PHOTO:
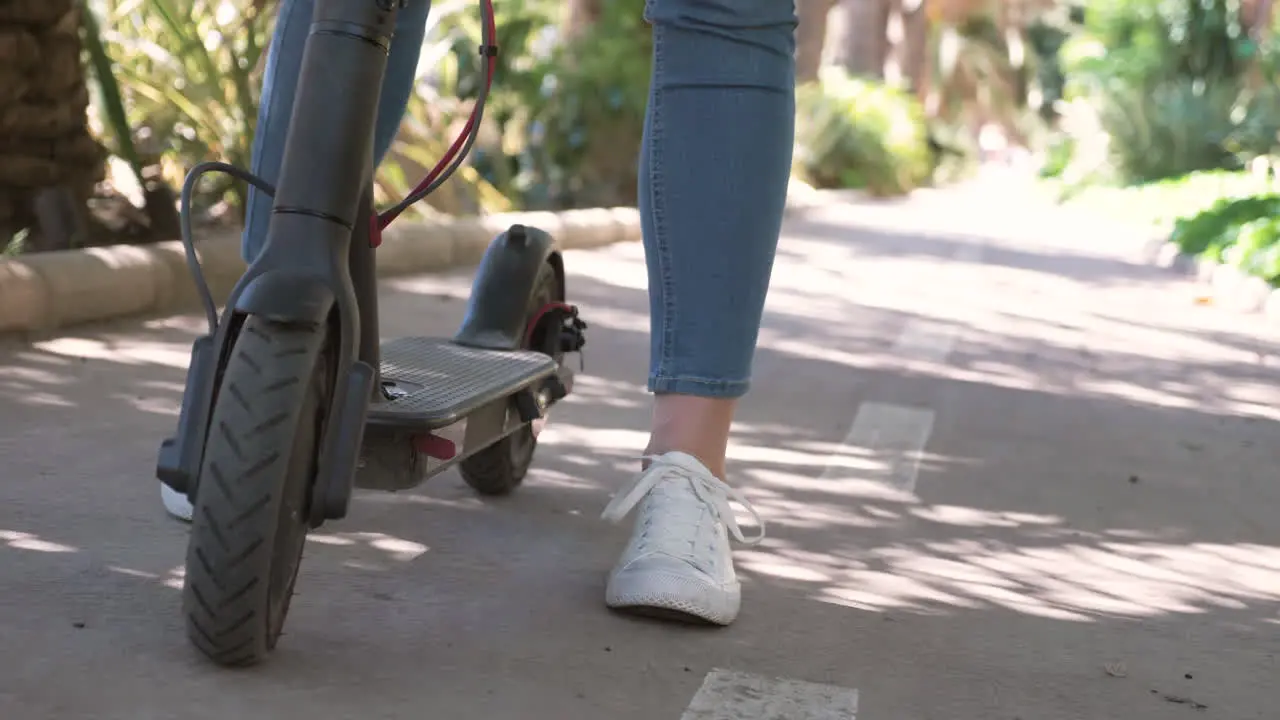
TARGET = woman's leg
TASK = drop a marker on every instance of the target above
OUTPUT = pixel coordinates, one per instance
(713, 178)
(284, 61)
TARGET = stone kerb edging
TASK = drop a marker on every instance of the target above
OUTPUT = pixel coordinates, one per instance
(1228, 287)
(47, 291)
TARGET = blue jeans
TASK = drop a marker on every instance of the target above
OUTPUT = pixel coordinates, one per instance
(714, 165)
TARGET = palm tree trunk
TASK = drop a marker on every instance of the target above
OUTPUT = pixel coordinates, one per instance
(811, 37)
(863, 41)
(48, 161)
(1257, 15)
(916, 47)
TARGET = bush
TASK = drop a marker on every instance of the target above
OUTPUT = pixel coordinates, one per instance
(1058, 156)
(1176, 127)
(1168, 78)
(1256, 250)
(1212, 229)
(583, 128)
(189, 75)
(565, 117)
(856, 133)
(1243, 232)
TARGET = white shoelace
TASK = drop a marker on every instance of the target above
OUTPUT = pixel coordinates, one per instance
(714, 494)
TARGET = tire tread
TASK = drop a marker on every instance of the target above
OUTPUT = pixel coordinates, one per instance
(231, 553)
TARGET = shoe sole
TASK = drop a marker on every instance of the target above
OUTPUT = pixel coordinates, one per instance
(666, 615)
(637, 596)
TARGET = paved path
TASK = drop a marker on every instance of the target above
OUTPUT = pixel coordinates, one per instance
(1010, 476)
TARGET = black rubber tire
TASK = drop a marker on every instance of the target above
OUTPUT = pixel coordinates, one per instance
(250, 523)
(500, 468)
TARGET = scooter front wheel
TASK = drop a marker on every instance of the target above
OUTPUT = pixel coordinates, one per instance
(250, 516)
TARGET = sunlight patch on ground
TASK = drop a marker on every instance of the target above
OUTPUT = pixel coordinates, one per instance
(387, 547)
(27, 541)
(600, 439)
(1071, 580)
(123, 351)
(451, 286)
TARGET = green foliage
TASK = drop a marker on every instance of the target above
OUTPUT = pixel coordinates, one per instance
(109, 94)
(857, 133)
(180, 81)
(564, 119)
(188, 73)
(1058, 156)
(583, 126)
(1168, 79)
(1215, 227)
(1046, 39)
(1239, 229)
(1256, 250)
(1175, 127)
(445, 96)
(1160, 205)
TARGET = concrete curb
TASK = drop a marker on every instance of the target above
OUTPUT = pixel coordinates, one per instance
(1227, 286)
(44, 292)
(48, 291)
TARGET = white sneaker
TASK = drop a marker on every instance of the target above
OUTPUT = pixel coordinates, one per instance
(678, 564)
(175, 503)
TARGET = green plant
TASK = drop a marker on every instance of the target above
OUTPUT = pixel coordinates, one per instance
(1169, 80)
(444, 97)
(564, 120)
(857, 133)
(188, 75)
(1058, 156)
(1213, 226)
(583, 125)
(1256, 250)
(1175, 127)
(109, 94)
(1241, 231)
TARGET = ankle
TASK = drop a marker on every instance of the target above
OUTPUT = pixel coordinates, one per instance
(697, 426)
(716, 468)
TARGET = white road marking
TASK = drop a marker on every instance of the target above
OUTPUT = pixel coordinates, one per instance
(891, 437)
(926, 340)
(968, 253)
(730, 695)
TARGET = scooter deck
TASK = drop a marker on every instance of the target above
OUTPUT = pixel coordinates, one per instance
(434, 382)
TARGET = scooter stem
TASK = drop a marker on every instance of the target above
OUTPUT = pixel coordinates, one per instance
(329, 151)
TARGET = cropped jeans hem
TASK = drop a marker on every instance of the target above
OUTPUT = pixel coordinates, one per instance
(702, 387)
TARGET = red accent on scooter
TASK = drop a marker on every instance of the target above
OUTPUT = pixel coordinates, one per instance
(490, 54)
(375, 232)
(434, 446)
(533, 324)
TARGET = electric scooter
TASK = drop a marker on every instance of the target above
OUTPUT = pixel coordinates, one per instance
(292, 400)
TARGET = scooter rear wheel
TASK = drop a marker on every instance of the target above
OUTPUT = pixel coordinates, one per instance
(250, 512)
(500, 468)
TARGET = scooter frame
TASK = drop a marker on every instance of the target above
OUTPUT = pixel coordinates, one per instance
(318, 267)
(318, 260)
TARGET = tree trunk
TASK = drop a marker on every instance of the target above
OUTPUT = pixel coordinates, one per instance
(811, 37)
(1257, 16)
(579, 15)
(916, 60)
(862, 46)
(46, 152)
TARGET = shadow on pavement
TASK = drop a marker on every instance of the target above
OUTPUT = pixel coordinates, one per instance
(1092, 534)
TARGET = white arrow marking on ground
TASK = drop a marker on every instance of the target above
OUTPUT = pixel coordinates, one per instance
(731, 695)
(891, 440)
